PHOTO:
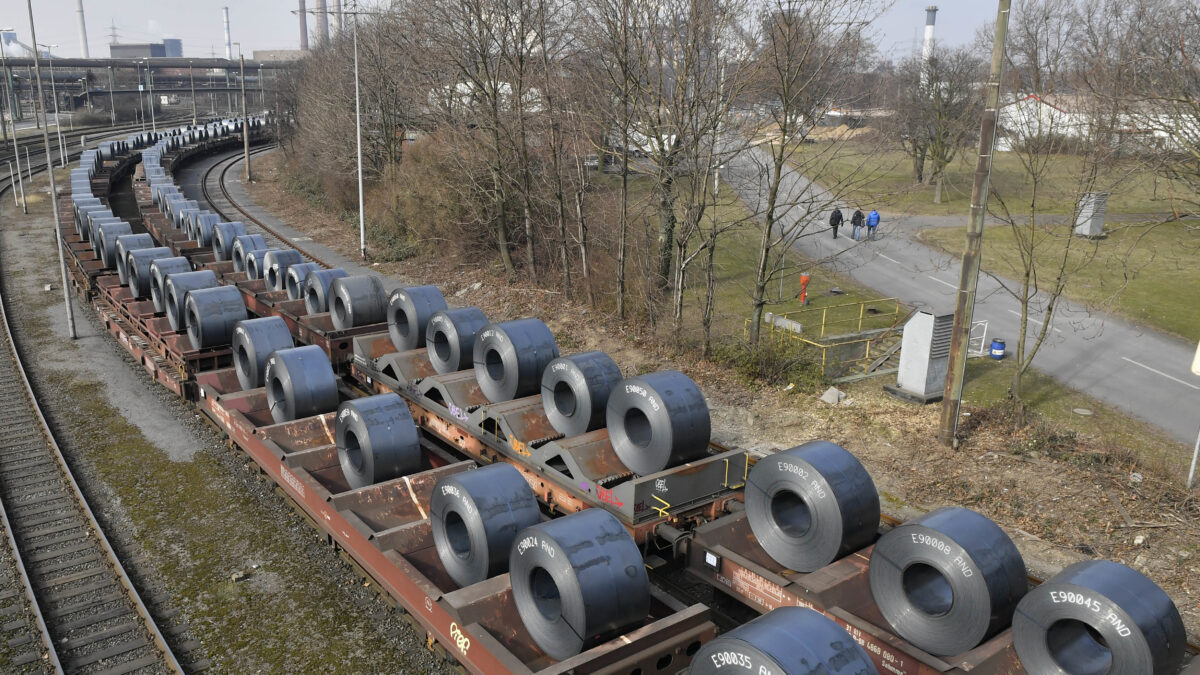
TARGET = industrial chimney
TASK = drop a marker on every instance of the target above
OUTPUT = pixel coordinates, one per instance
(335, 18)
(228, 44)
(322, 23)
(82, 29)
(930, 18)
(303, 27)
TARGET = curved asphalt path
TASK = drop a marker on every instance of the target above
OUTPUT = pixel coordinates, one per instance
(1137, 370)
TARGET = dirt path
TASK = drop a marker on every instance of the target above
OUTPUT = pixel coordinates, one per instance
(1060, 500)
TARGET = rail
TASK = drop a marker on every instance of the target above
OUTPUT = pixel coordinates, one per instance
(94, 614)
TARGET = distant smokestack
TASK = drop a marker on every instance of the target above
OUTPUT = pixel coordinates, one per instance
(322, 23)
(82, 29)
(335, 18)
(930, 19)
(228, 44)
(303, 27)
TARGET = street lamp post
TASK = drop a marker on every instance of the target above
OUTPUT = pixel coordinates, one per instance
(192, 84)
(141, 101)
(62, 147)
(245, 115)
(150, 79)
(62, 261)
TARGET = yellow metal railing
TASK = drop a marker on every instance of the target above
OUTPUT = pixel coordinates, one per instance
(844, 348)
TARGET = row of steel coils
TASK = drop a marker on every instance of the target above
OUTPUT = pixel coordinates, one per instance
(945, 582)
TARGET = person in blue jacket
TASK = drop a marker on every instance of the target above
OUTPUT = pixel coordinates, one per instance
(872, 223)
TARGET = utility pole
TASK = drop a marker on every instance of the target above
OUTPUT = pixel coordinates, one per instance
(150, 79)
(62, 261)
(141, 101)
(13, 114)
(968, 281)
(10, 102)
(192, 84)
(362, 226)
(245, 116)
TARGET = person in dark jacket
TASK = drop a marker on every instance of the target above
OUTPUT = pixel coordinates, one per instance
(835, 221)
(857, 221)
(872, 223)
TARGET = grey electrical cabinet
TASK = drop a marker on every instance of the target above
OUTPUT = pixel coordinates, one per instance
(924, 356)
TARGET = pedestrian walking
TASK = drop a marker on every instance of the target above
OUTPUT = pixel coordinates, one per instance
(856, 220)
(835, 221)
(872, 223)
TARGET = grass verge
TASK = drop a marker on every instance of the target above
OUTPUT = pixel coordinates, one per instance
(1139, 271)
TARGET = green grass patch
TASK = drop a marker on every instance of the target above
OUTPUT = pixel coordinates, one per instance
(1140, 271)
(1057, 430)
(883, 179)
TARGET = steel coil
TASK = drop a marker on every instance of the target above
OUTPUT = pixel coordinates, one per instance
(211, 315)
(510, 357)
(657, 421)
(450, 336)
(377, 440)
(125, 244)
(408, 313)
(784, 641)
(316, 289)
(475, 518)
(1098, 616)
(137, 268)
(223, 237)
(160, 269)
(578, 580)
(253, 341)
(275, 266)
(176, 288)
(948, 580)
(243, 244)
(300, 383)
(575, 391)
(811, 505)
(357, 301)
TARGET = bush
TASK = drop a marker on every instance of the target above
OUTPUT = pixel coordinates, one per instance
(772, 363)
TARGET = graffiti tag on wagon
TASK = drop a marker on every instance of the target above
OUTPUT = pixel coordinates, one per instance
(460, 639)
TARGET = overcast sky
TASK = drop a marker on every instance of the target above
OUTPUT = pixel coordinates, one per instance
(269, 24)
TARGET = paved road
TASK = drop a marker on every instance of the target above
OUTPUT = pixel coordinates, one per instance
(1139, 371)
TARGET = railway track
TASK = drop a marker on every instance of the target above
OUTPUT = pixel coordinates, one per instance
(67, 604)
(222, 202)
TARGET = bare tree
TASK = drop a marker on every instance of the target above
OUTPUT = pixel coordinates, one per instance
(934, 110)
(807, 52)
(1066, 138)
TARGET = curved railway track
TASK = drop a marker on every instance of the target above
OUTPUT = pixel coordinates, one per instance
(223, 203)
(68, 605)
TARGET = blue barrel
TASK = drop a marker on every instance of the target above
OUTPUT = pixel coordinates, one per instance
(997, 349)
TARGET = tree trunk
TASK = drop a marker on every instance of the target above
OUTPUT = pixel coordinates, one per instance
(666, 225)
(759, 299)
(710, 290)
(937, 189)
(919, 167)
(584, 262)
